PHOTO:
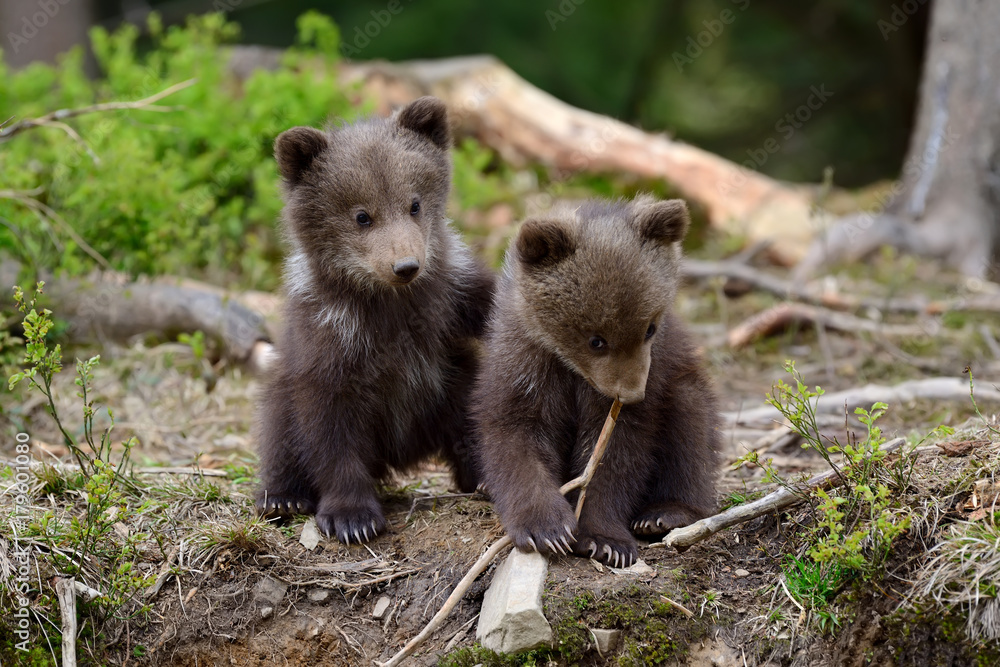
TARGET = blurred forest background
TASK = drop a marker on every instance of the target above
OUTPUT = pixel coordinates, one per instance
(637, 61)
(191, 190)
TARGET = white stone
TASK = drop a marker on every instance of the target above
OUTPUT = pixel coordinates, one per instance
(381, 606)
(319, 595)
(639, 568)
(740, 573)
(268, 592)
(606, 640)
(511, 619)
(310, 534)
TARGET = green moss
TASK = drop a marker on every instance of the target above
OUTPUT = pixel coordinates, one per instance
(655, 646)
(477, 655)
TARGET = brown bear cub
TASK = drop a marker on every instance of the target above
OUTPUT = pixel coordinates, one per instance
(384, 302)
(583, 314)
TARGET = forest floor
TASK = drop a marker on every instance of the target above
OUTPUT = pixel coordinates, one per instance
(236, 591)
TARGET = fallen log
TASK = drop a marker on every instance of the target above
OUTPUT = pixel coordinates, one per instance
(110, 308)
(489, 101)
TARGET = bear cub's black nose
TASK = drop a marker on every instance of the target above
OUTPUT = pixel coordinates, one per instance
(406, 268)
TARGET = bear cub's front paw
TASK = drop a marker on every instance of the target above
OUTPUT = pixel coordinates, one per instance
(351, 524)
(611, 547)
(661, 518)
(547, 530)
(283, 506)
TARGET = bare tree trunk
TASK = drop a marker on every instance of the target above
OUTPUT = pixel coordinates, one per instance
(947, 202)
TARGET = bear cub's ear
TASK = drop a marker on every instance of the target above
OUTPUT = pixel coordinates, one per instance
(427, 116)
(663, 221)
(295, 150)
(544, 241)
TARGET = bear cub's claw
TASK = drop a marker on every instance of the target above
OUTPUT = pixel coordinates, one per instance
(353, 526)
(548, 531)
(612, 552)
(284, 506)
(545, 542)
(660, 519)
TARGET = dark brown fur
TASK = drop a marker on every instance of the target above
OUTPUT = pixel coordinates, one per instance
(608, 270)
(377, 357)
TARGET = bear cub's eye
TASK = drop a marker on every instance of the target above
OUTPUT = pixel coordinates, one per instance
(363, 219)
(651, 330)
(598, 343)
(415, 208)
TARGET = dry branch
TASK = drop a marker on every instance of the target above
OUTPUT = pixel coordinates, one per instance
(798, 290)
(500, 545)
(66, 593)
(939, 388)
(54, 118)
(786, 315)
(682, 538)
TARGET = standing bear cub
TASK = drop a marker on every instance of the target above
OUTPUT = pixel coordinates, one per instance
(583, 314)
(383, 305)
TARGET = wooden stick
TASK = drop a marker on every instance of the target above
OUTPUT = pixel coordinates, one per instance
(785, 315)
(449, 604)
(682, 538)
(66, 593)
(583, 480)
(500, 545)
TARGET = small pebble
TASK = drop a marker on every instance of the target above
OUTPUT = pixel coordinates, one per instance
(381, 607)
(319, 595)
(265, 612)
(741, 573)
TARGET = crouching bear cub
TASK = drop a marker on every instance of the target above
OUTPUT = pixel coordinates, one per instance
(583, 314)
(383, 304)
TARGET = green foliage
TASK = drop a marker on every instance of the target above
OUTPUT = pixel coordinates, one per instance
(85, 544)
(189, 187)
(477, 655)
(815, 585)
(740, 498)
(858, 522)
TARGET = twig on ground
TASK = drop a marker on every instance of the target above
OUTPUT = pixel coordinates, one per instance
(500, 545)
(682, 538)
(66, 592)
(456, 595)
(161, 578)
(939, 388)
(693, 268)
(678, 606)
(784, 315)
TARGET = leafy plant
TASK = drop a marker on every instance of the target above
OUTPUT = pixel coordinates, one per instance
(856, 523)
(185, 188)
(87, 544)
